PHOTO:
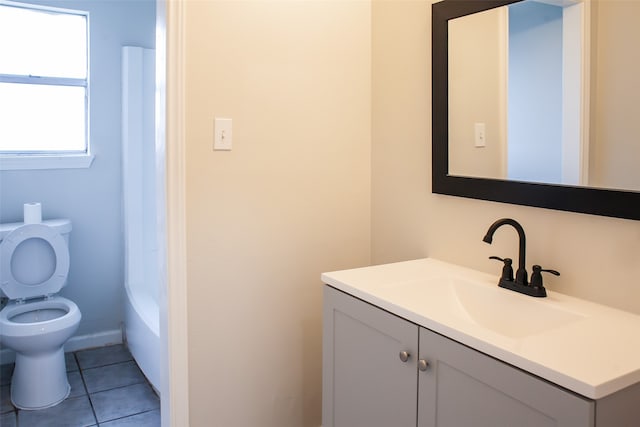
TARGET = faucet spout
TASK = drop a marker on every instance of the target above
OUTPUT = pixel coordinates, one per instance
(521, 273)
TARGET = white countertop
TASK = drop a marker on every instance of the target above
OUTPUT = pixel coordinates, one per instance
(591, 349)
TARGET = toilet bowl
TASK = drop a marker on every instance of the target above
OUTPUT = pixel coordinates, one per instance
(34, 264)
(37, 331)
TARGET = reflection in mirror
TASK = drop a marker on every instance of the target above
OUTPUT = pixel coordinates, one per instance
(478, 94)
(542, 92)
(615, 95)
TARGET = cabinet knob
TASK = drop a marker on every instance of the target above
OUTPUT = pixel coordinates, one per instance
(423, 365)
(404, 356)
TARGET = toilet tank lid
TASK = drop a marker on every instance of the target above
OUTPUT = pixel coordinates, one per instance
(61, 225)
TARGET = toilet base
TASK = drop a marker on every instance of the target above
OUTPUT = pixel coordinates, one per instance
(39, 381)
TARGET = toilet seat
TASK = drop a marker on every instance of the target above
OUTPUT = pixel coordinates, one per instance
(11, 328)
(11, 286)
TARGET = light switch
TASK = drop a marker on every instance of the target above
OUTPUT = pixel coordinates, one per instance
(222, 134)
(480, 139)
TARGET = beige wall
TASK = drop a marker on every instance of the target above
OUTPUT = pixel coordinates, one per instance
(331, 107)
(599, 257)
(291, 200)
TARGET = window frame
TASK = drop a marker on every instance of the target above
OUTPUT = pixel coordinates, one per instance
(58, 159)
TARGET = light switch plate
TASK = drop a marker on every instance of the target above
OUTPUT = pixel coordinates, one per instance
(222, 134)
(480, 135)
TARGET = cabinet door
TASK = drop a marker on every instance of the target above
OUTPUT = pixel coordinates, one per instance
(365, 383)
(463, 387)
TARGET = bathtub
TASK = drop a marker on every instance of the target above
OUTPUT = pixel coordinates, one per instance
(141, 220)
(142, 332)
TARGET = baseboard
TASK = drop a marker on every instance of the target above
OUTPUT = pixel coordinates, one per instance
(76, 343)
(100, 339)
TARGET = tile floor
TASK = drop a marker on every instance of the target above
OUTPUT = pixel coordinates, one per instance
(107, 390)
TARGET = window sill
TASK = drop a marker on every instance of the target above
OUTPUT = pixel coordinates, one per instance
(69, 161)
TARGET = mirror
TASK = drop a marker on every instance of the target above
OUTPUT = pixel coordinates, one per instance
(559, 136)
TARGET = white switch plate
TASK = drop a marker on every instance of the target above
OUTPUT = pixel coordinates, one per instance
(480, 135)
(222, 134)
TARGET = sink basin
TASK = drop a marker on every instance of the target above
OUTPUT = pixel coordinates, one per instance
(483, 305)
(508, 313)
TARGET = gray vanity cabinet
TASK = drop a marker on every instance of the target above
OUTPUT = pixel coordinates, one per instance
(463, 387)
(367, 382)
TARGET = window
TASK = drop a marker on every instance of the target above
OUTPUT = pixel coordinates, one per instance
(43, 85)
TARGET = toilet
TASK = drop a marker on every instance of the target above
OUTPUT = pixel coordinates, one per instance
(36, 323)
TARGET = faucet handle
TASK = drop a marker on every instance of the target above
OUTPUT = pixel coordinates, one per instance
(536, 276)
(507, 270)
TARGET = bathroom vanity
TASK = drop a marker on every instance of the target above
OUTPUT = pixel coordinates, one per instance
(427, 343)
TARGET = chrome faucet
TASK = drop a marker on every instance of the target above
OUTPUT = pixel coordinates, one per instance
(521, 283)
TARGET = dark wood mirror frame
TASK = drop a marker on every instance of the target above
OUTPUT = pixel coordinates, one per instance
(595, 201)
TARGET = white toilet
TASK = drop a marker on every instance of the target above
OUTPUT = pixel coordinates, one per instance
(34, 264)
